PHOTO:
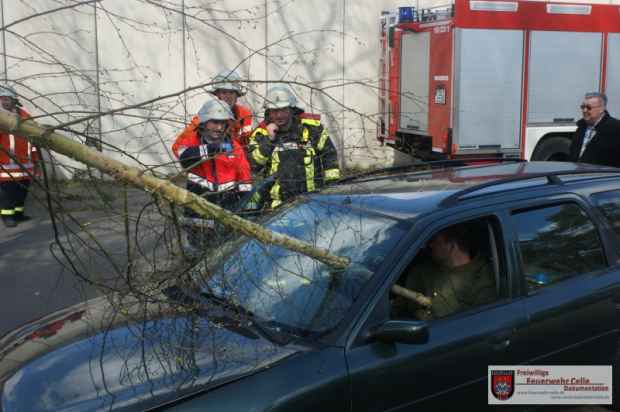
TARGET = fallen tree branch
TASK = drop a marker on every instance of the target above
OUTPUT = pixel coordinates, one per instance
(47, 138)
(411, 295)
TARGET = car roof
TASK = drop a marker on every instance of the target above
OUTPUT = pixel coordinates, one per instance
(406, 194)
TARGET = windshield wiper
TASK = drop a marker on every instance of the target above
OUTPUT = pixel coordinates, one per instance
(268, 330)
(197, 305)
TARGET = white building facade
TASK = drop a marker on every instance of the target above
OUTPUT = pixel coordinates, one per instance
(142, 63)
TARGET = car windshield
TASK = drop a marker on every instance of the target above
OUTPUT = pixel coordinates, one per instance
(286, 288)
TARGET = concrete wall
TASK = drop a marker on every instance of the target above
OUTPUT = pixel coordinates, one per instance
(71, 62)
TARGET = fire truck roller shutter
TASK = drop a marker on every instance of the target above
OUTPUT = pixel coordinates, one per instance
(488, 88)
(414, 82)
(563, 66)
(613, 74)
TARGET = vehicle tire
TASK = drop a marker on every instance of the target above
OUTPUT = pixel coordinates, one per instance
(556, 148)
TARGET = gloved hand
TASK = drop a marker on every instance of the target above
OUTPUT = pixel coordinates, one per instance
(226, 147)
(210, 149)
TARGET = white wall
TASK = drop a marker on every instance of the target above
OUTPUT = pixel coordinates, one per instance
(145, 52)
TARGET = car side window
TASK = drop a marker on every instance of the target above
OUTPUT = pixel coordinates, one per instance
(459, 268)
(556, 243)
(608, 203)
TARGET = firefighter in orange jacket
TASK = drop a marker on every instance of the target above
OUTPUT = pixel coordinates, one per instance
(293, 148)
(217, 165)
(226, 87)
(17, 165)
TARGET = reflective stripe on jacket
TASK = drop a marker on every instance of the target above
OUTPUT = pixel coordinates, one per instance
(17, 156)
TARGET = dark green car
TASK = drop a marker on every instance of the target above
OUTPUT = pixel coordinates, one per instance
(272, 330)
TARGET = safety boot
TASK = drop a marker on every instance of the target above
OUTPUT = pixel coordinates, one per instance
(9, 220)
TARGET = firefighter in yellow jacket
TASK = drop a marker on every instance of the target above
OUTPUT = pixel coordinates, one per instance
(292, 147)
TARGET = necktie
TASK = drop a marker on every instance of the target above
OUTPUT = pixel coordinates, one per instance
(586, 139)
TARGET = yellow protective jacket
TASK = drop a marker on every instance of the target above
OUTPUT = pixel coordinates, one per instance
(302, 159)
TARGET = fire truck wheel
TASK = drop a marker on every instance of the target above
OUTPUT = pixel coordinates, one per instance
(552, 148)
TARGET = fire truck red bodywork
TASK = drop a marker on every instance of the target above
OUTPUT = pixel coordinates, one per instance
(433, 137)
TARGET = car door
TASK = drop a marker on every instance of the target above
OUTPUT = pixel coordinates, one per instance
(566, 283)
(450, 367)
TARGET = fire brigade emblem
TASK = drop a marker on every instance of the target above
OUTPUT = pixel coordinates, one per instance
(502, 384)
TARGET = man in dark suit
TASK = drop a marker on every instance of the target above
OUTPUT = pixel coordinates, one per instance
(597, 139)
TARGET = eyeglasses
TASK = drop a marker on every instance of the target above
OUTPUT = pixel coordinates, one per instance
(588, 107)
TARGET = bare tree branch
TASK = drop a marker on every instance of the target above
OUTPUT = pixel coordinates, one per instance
(44, 13)
(54, 141)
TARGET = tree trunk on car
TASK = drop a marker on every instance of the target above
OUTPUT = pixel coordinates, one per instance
(45, 137)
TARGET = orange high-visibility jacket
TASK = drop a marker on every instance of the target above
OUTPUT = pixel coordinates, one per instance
(17, 156)
(222, 171)
(242, 127)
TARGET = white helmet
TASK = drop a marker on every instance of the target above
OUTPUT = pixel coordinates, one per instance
(279, 97)
(227, 80)
(7, 91)
(215, 109)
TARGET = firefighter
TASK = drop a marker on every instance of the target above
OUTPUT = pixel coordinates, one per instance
(217, 166)
(18, 159)
(226, 87)
(291, 147)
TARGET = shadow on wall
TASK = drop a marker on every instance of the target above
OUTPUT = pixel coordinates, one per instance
(135, 65)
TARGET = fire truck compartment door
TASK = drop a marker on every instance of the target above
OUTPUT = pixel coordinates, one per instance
(487, 88)
(613, 73)
(563, 66)
(414, 81)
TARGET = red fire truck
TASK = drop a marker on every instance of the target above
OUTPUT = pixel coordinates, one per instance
(494, 78)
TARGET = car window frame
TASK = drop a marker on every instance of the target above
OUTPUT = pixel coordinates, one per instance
(413, 243)
(550, 201)
(612, 238)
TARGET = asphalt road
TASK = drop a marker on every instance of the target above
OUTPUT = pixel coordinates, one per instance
(34, 283)
(35, 277)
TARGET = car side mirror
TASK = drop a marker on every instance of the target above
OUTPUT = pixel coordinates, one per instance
(401, 331)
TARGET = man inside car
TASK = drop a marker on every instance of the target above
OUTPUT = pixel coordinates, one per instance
(456, 278)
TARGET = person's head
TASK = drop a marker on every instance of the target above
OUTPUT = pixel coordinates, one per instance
(8, 98)
(451, 246)
(281, 106)
(593, 107)
(214, 117)
(226, 86)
